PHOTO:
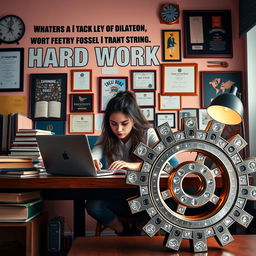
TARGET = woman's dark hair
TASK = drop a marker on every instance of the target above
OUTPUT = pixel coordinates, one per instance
(124, 102)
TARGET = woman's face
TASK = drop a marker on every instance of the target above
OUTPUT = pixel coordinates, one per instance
(121, 125)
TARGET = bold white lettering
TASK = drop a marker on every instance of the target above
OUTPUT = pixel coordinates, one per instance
(35, 57)
(137, 56)
(50, 58)
(81, 57)
(122, 56)
(66, 57)
(151, 56)
(104, 57)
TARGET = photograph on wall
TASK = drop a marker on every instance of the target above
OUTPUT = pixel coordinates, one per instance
(81, 123)
(81, 80)
(81, 102)
(207, 34)
(214, 83)
(143, 80)
(57, 127)
(145, 99)
(162, 118)
(203, 118)
(109, 87)
(48, 96)
(171, 50)
(149, 113)
(169, 102)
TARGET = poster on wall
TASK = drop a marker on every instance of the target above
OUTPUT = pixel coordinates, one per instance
(109, 87)
(48, 96)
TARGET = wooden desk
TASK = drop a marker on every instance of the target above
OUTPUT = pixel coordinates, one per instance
(243, 245)
(78, 189)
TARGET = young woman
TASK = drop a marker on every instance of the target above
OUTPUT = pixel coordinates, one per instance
(124, 126)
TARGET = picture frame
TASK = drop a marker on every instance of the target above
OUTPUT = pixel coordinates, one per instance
(166, 117)
(203, 118)
(188, 112)
(167, 102)
(48, 96)
(171, 45)
(109, 87)
(207, 33)
(179, 79)
(82, 102)
(81, 123)
(81, 80)
(149, 113)
(57, 127)
(214, 83)
(143, 80)
(11, 69)
(145, 98)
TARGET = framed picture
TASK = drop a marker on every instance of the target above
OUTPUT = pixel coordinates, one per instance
(186, 113)
(145, 99)
(110, 86)
(149, 113)
(81, 80)
(81, 102)
(58, 127)
(169, 102)
(171, 49)
(81, 123)
(48, 96)
(166, 117)
(203, 118)
(11, 69)
(143, 80)
(214, 83)
(207, 34)
(179, 79)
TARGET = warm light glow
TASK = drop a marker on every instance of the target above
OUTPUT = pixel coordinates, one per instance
(224, 115)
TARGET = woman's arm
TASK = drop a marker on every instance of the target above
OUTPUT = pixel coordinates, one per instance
(124, 165)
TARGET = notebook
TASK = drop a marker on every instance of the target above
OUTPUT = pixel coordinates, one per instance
(69, 155)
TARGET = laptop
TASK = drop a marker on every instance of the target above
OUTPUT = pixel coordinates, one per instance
(68, 155)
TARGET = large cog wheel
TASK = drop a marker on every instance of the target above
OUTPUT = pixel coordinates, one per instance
(212, 204)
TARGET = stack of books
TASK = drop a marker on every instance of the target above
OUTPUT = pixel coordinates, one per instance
(20, 206)
(19, 167)
(25, 143)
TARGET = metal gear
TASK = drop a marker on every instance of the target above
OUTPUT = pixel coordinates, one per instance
(212, 204)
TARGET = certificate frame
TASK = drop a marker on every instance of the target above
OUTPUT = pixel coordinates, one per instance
(82, 102)
(179, 79)
(11, 69)
(166, 117)
(214, 83)
(143, 80)
(145, 98)
(149, 113)
(168, 102)
(207, 33)
(187, 112)
(46, 89)
(81, 123)
(109, 87)
(81, 80)
(58, 127)
(171, 45)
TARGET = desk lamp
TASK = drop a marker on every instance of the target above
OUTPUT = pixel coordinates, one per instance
(227, 108)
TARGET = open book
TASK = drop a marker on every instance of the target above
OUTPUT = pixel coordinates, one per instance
(47, 109)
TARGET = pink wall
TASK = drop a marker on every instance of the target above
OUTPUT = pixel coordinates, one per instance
(102, 12)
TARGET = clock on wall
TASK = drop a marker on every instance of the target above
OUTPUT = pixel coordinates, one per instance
(12, 29)
(169, 13)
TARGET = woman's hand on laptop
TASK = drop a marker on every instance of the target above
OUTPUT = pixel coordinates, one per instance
(97, 165)
(124, 165)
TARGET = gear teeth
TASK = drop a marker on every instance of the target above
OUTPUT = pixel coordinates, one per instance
(159, 147)
(223, 235)
(235, 144)
(174, 239)
(164, 131)
(145, 167)
(145, 153)
(241, 216)
(199, 241)
(190, 127)
(143, 190)
(248, 192)
(201, 135)
(214, 130)
(168, 168)
(200, 158)
(181, 209)
(187, 234)
(166, 194)
(248, 166)
(236, 159)
(153, 226)
(137, 178)
(139, 204)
